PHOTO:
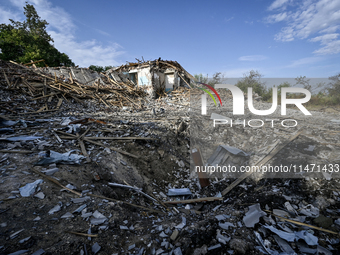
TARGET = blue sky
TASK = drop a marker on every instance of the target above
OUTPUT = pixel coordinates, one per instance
(279, 38)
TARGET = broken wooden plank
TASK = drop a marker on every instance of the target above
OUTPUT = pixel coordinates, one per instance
(198, 161)
(37, 98)
(71, 78)
(17, 151)
(197, 200)
(73, 137)
(118, 185)
(9, 84)
(31, 88)
(101, 99)
(60, 101)
(86, 121)
(303, 224)
(52, 110)
(127, 203)
(120, 138)
(79, 85)
(116, 138)
(83, 134)
(45, 88)
(15, 83)
(31, 63)
(7, 109)
(4, 117)
(58, 138)
(183, 79)
(83, 149)
(55, 79)
(112, 148)
(81, 234)
(56, 182)
(126, 98)
(42, 108)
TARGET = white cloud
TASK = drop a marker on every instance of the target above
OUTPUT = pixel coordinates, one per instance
(87, 53)
(58, 19)
(307, 19)
(252, 58)
(332, 47)
(277, 17)
(287, 35)
(324, 39)
(331, 29)
(62, 29)
(226, 20)
(304, 61)
(277, 4)
(5, 15)
(102, 32)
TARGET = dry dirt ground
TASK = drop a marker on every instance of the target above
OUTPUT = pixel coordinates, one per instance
(116, 220)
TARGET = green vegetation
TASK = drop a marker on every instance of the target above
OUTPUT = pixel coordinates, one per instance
(253, 80)
(29, 40)
(334, 88)
(100, 69)
(330, 96)
(302, 80)
(201, 78)
(327, 97)
(216, 79)
(269, 94)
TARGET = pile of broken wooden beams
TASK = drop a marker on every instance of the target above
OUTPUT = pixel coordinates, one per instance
(95, 139)
(33, 85)
(181, 94)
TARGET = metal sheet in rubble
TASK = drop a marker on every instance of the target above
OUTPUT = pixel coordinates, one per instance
(221, 154)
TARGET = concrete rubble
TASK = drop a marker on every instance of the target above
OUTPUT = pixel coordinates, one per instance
(104, 168)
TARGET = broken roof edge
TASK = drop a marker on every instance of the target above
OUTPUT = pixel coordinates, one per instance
(169, 63)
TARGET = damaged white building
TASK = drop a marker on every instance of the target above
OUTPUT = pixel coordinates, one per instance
(156, 76)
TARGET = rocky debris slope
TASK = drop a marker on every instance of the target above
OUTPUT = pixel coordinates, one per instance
(91, 179)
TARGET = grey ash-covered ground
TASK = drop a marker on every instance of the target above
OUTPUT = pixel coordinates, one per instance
(162, 164)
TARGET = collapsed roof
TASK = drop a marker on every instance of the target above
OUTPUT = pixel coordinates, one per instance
(156, 77)
(159, 64)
